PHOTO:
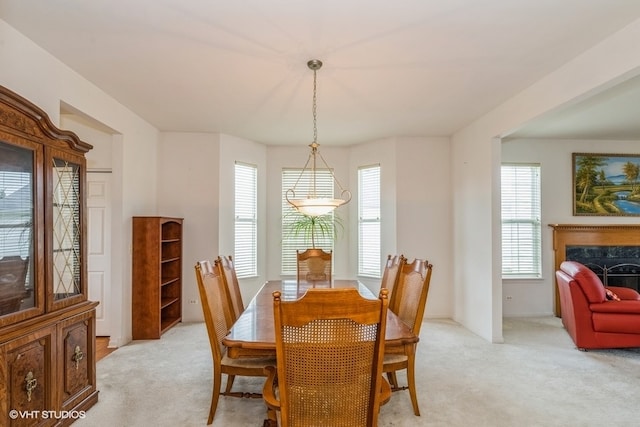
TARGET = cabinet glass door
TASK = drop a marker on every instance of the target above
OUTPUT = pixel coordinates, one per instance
(16, 229)
(67, 229)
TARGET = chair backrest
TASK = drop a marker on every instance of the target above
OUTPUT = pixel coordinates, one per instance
(214, 306)
(205, 266)
(232, 286)
(330, 348)
(412, 289)
(390, 276)
(588, 281)
(314, 265)
(13, 275)
(13, 271)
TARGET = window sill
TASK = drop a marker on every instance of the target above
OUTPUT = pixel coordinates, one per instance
(523, 279)
(369, 277)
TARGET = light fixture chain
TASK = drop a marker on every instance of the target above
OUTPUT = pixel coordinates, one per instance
(313, 205)
(315, 108)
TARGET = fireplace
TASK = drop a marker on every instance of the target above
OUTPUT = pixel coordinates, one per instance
(615, 265)
(611, 251)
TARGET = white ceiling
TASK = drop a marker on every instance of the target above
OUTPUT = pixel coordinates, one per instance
(611, 114)
(403, 68)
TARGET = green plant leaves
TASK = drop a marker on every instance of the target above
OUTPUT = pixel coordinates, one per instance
(310, 227)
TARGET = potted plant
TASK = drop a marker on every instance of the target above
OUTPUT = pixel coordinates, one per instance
(310, 227)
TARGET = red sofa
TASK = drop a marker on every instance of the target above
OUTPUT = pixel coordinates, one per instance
(593, 319)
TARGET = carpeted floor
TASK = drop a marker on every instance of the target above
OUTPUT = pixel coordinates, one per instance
(536, 378)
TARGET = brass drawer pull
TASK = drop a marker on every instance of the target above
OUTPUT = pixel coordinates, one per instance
(78, 355)
(30, 384)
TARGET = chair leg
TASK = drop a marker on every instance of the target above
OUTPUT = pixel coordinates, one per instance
(272, 418)
(230, 379)
(393, 380)
(217, 383)
(411, 379)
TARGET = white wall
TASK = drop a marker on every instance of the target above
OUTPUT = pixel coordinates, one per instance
(536, 297)
(188, 188)
(472, 163)
(33, 73)
(476, 162)
(415, 209)
(424, 212)
(196, 182)
(100, 157)
(232, 150)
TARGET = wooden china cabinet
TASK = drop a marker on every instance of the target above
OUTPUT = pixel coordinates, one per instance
(47, 325)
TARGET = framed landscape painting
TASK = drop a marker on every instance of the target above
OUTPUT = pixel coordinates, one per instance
(606, 184)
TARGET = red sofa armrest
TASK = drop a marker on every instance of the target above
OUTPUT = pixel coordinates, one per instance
(617, 307)
(624, 293)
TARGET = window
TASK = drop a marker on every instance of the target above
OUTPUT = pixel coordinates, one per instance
(245, 258)
(290, 241)
(369, 221)
(521, 230)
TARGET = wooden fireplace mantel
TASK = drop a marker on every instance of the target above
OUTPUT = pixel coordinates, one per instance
(590, 235)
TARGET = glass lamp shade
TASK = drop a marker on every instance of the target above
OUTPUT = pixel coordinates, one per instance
(316, 206)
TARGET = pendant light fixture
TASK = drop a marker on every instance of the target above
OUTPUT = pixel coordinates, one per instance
(312, 205)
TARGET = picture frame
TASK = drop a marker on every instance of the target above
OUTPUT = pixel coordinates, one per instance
(606, 184)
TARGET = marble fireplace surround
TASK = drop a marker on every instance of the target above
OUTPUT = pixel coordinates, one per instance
(612, 251)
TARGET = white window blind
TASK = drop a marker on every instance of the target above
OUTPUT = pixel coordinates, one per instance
(290, 242)
(521, 224)
(16, 213)
(369, 260)
(245, 258)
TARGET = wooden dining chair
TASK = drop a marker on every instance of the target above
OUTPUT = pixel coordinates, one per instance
(232, 286)
(329, 347)
(13, 281)
(412, 289)
(314, 265)
(216, 315)
(390, 277)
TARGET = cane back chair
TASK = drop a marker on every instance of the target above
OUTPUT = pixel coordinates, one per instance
(216, 314)
(411, 292)
(329, 347)
(390, 277)
(232, 286)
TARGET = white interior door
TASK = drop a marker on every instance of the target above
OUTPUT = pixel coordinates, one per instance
(99, 247)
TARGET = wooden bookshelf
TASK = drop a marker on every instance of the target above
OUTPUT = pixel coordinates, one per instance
(157, 275)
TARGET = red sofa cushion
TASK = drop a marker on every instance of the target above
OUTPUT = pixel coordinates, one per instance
(629, 306)
(617, 323)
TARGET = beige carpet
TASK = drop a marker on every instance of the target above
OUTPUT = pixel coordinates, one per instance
(536, 378)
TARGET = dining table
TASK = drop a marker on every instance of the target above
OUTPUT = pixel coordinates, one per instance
(253, 333)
